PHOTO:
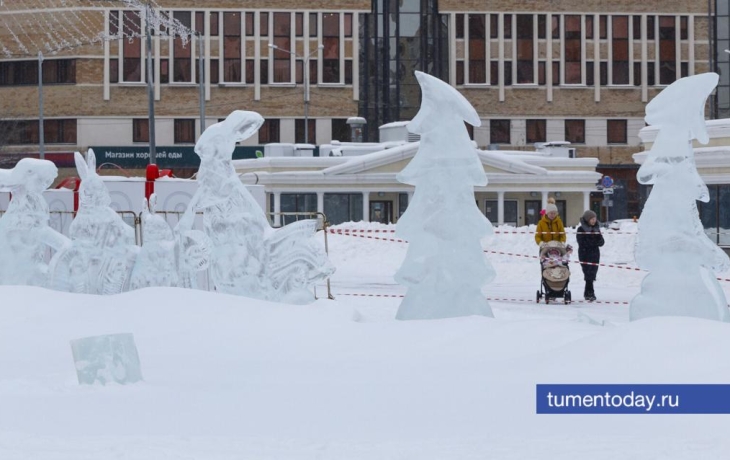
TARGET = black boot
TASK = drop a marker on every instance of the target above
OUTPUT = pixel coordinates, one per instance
(588, 293)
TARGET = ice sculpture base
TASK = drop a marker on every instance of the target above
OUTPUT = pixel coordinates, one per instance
(106, 358)
(694, 294)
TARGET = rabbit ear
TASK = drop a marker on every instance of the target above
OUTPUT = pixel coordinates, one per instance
(91, 160)
(81, 166)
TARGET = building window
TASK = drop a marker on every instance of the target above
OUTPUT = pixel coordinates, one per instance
(477, 49)
(555, 26)
(572, 49)
(650, 26)
(536, 131)
(164, 71)
(200, 22)
(348, 24)
(59, 71)
(250, 69)
(181, 54)
(213, 24)
(24, 132)
(589, 26)
(331, 51)
(603, 27)
(55, 71)
(232, 46)
(541, 26)
(140, 130)
(507, 26)
(525, 46)
(131, 48)
(264, 24)
(459, 24)
(616, 131)
(305, 203)
(313, 25)
(264, 71)
(59, 131)
(575, 131)
(184, 131)
(667, 50)
(299, 24)
(620, 50)
(282, 40)
(113, 23)
(499, 132)
(299, 131)
(343, 207)
(214, 76)
(269, 131)
(636, 27)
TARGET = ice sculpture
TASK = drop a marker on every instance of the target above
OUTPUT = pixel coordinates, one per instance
(672, 244)
(445, 266)
(102, 251)
(156, 263)
(25, 233)
(106, 359)
(247, 256)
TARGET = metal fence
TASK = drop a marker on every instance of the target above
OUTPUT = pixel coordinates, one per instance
(61, 222)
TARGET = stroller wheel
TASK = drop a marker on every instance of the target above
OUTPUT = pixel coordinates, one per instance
(568, 298)
(537, 299)
(547, 300)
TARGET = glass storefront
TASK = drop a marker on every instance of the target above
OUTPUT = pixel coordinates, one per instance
(399, 37)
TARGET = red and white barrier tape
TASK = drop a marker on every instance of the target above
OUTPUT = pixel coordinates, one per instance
(395, 240)
(493, 299)
(504, 232)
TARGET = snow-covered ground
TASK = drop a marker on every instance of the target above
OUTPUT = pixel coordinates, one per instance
(232, 378)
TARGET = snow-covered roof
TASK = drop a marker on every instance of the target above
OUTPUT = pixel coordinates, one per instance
(512, 167)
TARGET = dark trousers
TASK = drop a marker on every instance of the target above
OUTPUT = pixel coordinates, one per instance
(588, 291)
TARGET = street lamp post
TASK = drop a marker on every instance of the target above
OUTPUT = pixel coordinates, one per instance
(306, 83)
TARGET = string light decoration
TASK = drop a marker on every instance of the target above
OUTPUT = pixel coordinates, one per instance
(52, 27)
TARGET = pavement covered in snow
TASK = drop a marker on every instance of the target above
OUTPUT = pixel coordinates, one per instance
(231, 378)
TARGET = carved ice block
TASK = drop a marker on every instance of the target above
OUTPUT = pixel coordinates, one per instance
(106, 358)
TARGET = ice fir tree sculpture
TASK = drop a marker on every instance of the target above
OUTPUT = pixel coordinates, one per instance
(672, 244)
(445, 266)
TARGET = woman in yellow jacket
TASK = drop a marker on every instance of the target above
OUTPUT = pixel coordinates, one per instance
(550, 227)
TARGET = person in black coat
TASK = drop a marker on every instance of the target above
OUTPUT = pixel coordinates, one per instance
(589, 242)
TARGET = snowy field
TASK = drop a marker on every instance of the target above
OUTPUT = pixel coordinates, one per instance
(229, 378)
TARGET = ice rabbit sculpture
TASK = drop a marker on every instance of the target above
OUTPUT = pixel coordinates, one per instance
(247, 256)
(102, 251)
(445, 266)
(672, 244)
(25, 234)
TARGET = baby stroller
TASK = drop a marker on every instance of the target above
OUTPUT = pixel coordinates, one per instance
(554, 260)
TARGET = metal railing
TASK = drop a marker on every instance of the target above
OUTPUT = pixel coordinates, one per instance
(61, 222)
(322, 224)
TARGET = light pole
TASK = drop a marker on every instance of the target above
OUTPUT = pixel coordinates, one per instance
(150, 88)
(305, 70)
